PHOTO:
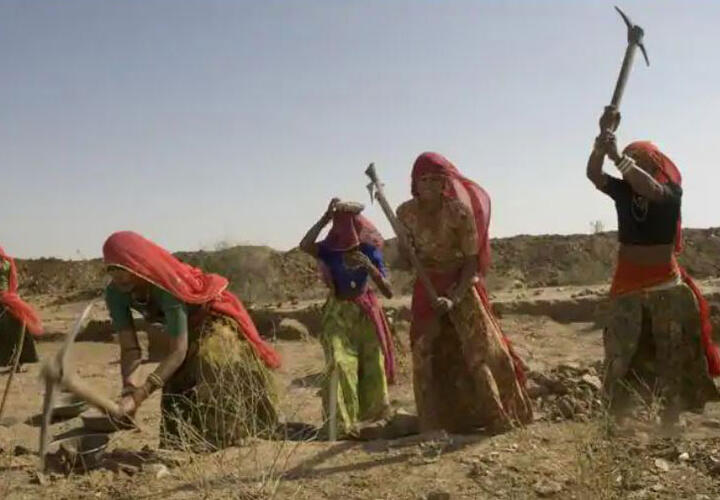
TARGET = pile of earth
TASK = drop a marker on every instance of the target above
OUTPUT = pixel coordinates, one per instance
(261, 274)
(567, 392)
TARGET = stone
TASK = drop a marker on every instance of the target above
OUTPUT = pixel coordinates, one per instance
(684, 457)
(546, 488)
(292, 329)
(160, 471)
(593, 381)
(662, 464)
(438, 495)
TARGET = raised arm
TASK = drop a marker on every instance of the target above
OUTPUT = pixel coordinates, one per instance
(308, 244)
(641, 182)
(609, 121)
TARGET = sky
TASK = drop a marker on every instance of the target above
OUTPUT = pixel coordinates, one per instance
(203, 122)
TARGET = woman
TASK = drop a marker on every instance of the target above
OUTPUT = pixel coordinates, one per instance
(216, 387)
(16, 315)
(465, 374)
(355, 333)
(658, 337)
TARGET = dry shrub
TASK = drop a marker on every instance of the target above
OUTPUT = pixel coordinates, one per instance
(231, 439)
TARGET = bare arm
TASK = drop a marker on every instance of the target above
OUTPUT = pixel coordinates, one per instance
(640, 181)
(382, 283)
(308, 244)
(130, 357)
(594, 169)
(467, 278)
(178, 347)
(359, 259)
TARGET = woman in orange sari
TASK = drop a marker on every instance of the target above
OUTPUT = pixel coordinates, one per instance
(465, 374)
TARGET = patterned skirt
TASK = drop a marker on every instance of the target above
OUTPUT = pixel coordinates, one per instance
(653, 352)
(464, 376)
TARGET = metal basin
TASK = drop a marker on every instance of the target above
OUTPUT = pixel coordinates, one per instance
(101, 422)
(68, 406)
(82, 452)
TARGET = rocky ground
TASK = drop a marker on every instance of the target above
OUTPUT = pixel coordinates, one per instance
(568, 452)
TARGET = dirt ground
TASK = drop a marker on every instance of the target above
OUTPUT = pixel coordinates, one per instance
(564, 454)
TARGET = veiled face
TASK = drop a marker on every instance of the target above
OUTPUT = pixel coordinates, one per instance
(123, 280)
(430, 187)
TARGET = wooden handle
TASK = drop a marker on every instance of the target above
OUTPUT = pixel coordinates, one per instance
(400, 233)
(73, 384)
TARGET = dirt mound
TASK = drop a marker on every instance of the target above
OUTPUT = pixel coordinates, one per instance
(567, 392)
(261, 274)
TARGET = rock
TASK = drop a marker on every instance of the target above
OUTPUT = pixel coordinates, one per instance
(593, 381)
(401, 424)
(292, 329)
(712, 423)
(19, 451)
(536, 390)
(566, 407)
(438, 495)
(684, 457)
(546, 488)
(662, 464)
(160, 471)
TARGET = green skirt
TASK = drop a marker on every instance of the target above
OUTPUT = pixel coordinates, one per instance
(221, 394)
(10, 334)
(352, 348)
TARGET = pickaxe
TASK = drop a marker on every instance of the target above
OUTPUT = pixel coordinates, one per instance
(56, 372)
(635, 41)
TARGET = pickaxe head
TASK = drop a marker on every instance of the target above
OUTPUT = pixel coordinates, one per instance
(635, 34)
(371, 190)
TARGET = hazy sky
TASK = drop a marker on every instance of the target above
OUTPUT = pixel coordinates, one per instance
(195, 122)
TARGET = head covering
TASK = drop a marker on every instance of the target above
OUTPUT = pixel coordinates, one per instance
(18, 308)
(350, 229)
(463, 189)
(647, 153)
(156, 265)
(477, 200)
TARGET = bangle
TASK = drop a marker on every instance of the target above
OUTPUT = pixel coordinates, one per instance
(153, 383)
(626, 164)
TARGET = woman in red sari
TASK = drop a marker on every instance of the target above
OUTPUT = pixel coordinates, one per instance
(15, 315)
(215, 382)
(465, 374)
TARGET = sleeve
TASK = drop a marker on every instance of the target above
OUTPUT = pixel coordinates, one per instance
(467, 232)
(376, 257)
(673, 193)
(118, 304)
(613, 186)
(174, 311)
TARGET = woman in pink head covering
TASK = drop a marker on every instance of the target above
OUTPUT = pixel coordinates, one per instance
(356, 336)
(15, 314)
(465, 373)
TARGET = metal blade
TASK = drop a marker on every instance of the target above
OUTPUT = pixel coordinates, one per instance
(371, 190)
(625, 18)
(642, 49)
